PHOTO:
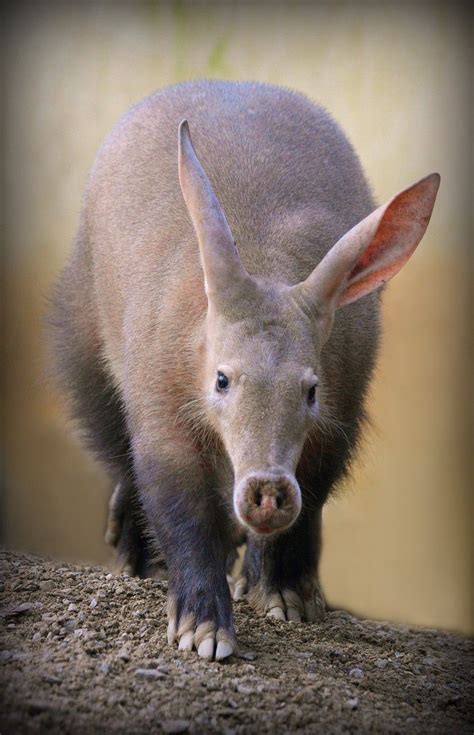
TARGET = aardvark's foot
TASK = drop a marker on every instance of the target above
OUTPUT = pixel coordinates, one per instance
(302, 601)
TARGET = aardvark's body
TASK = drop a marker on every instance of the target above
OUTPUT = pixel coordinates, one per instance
(223, 384)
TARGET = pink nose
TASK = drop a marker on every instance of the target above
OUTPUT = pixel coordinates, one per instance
(267, 502)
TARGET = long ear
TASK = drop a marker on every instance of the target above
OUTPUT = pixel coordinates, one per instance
(223, 269)
(374, 250)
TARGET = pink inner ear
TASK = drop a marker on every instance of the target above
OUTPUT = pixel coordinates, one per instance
(401, 228)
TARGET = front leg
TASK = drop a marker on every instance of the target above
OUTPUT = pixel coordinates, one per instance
(280, 575)
(194, 532)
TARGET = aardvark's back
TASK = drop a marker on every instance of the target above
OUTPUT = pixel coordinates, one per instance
(288, 181)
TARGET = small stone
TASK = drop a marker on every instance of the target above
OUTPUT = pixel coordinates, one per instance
(36, 637)
(93, 602)
(248, 655)
(175, 726)
(353, 702)
(104, 667)
(124, 654)
(46, 585)
(150, 674)
(244, 690)
(381, 663)
(52, 679)
(72, 607)
(356, 673)
(23, 607)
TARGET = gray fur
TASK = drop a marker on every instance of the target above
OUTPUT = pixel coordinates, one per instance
(137, 344)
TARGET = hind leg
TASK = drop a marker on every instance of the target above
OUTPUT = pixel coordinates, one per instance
(96, 403)
(126, 531)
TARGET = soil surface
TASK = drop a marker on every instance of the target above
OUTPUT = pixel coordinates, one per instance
(83, 651)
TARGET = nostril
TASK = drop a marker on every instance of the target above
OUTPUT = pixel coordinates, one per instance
(266, 502)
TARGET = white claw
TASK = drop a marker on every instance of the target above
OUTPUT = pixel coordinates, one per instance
(206, 648)
(186, 641)
(239, 588)
(171, 632)
(293, 615)
(231, 583)
(223, 650)
(276, 612)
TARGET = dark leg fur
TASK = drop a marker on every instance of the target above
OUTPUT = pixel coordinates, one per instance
(128, 533)
(281, 574)
(96, 405)
(196, 538)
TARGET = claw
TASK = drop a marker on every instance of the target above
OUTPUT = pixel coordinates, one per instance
(114, 520)
(171, 632)
(294, 606)
(293, 615)
(172, 610)
(239, 588)
(224, 650)
(206, 648)
(186, 641)
(276, 612)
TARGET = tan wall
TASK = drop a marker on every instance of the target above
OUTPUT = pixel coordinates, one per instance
(395, 75)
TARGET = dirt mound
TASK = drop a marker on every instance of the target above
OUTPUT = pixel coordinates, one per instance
(84, 651)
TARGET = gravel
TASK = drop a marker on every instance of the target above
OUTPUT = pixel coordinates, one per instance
(83, 651)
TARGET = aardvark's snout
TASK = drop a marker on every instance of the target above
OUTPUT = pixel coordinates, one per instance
(267, 501)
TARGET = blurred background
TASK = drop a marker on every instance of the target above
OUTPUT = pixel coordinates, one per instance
(398, 538)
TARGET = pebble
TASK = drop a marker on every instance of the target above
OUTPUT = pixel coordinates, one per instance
(244, 690)
(36, 637)
(93, 602)
(72, 607)
(149, 674)
(353, 702)
(23, 607)
(46, 585)
(124, 654)
(50, 679)
(356, 673)
(248, 655)
(175, 726)
(104, 667)
(381, 663)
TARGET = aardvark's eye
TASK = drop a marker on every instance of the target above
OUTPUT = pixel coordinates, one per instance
(222, 382)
